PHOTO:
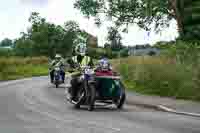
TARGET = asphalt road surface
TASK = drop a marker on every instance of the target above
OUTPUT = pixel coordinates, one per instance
(35, 106)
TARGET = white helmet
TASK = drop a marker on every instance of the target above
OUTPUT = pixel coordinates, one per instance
(58, 56)
(104, 64)
(81, 49)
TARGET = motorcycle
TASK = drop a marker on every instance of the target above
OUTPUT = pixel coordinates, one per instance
(57, 76)
(99, 87)
(86, 92)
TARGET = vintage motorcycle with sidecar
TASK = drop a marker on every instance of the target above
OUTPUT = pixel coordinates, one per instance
(98, 87)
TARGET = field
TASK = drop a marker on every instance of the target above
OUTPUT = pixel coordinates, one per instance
(14, 67)
(159, 76)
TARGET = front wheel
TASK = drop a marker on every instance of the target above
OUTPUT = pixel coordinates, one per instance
(80, 98)
(57, 84)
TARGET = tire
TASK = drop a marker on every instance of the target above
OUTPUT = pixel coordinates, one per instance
(77, 106)
(57, 85)
(91, 100)
(82, 95)
(121, 101)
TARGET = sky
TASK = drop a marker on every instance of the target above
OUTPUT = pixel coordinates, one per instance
(14, 16)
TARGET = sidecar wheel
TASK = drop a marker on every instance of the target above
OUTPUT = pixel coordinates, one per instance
(121, 101)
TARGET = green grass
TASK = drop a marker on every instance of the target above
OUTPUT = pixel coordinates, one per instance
(159, 76)
(16, 68)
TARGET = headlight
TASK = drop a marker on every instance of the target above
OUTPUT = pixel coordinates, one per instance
(56, 73)
(89, 71)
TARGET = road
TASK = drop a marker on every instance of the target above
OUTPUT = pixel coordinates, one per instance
(35, 106)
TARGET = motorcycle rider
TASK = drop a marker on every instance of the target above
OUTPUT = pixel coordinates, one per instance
(60, 61)
(78, 61)
(104, 64)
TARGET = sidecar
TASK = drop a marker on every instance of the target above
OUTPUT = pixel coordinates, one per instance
(109, 88)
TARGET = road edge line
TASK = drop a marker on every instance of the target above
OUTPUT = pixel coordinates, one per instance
(163, 108)
(167, 109)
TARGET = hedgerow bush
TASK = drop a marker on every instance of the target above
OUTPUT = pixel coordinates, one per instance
(173, 74)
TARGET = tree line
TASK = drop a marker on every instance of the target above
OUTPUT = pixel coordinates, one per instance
(44, 38)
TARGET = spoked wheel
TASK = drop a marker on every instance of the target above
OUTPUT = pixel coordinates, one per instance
(91, 98)
(80, 98)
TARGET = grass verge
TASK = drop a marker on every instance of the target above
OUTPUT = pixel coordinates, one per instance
(16, 68)
(159, 76)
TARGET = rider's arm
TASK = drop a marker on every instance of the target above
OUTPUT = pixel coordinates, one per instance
(91, 63)
(62, 62)
(71, 65)
(51, 65)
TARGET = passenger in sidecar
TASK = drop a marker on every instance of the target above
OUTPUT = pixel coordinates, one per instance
(108, 84)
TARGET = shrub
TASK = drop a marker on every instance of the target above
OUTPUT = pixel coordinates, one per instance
(4, 52)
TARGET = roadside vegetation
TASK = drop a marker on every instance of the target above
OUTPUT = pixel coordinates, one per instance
(15, 67)
(175, 73)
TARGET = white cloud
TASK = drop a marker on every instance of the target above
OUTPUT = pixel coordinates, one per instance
(139, 36)
(38, 3)
(15, 19)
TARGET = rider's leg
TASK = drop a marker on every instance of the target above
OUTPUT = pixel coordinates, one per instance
(74, 83)
(63, 76)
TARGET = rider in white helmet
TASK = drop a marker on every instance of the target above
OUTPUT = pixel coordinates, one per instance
(58, 60)
(79, 60)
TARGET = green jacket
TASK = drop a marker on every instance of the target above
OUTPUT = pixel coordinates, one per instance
(79, 61)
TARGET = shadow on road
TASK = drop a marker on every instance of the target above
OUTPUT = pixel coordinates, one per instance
(100, 109)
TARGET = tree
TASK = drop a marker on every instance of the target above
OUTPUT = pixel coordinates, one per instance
(152, 53)
(114, 38)
(144, 13)
(24, 47)
(6, 43)
(191, 21)
(72, 26)
(47, 39)
(72, 34)
(124, 52)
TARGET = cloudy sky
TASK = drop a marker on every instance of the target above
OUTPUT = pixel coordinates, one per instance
(14, 16)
